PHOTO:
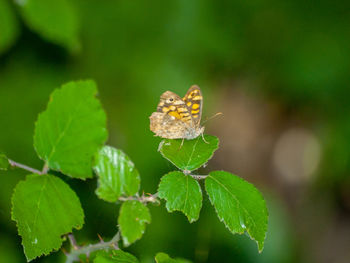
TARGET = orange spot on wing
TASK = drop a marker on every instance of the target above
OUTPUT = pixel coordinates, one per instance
(175, 114)
(181, 109)
(195, 106)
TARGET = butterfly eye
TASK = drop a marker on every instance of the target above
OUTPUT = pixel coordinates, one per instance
(171, 99)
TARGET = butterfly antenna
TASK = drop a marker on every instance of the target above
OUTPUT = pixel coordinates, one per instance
(215, 115)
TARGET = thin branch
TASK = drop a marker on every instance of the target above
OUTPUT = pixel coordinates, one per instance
(24, 167)
(72, 240)
(143, 199)
(199, 177)
(73, 255)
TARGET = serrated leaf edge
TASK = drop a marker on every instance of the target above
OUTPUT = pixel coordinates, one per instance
(211, 156)
(97, 191)
(125, 240)
(47, 106)
(191, 220)
(247, 230)
(46, 253)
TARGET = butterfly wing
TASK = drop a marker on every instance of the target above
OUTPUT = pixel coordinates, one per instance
(194, 102)
(174, 119)
(165, 126)
(173, 105)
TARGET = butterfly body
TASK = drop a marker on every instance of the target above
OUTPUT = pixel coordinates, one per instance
(178, 118)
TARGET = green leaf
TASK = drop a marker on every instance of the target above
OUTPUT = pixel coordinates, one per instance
(4, 162)
(164, 258)
(192, 154)
(116, 174)
(115, 256)
(132, 221)
(238, 204)
(182, 193)
(9, 26)
(54, 20)
(72, 129)
(44, 208)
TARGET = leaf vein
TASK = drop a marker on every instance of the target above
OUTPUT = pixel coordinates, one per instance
(38, 203)
(238, 202)
(186, 193)
(193, 150)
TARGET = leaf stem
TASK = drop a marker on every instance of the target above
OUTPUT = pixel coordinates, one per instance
(76, 250)
(199, 177)
(143, 199)
(45, 169)
(24, 167)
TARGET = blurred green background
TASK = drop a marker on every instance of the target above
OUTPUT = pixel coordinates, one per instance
(277, 70)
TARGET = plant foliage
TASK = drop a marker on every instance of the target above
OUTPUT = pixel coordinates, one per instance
(182, 193)
(238, 204)
(71, 130)
(54, 20)
(69, 137)
(114, 256)
(4, 162)
(45, 208)
(191, 154)
(132, 221)
(116, 174)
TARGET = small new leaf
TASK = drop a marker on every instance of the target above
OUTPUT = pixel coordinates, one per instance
(164, 258)
(238, 204)
(182, 193)
(45, 208)
(114, 256)
(192, 154)
(132, 221)
(116, 174)
(72, 129)
(4, 162)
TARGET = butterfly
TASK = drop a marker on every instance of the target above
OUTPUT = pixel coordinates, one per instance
(178, 118)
